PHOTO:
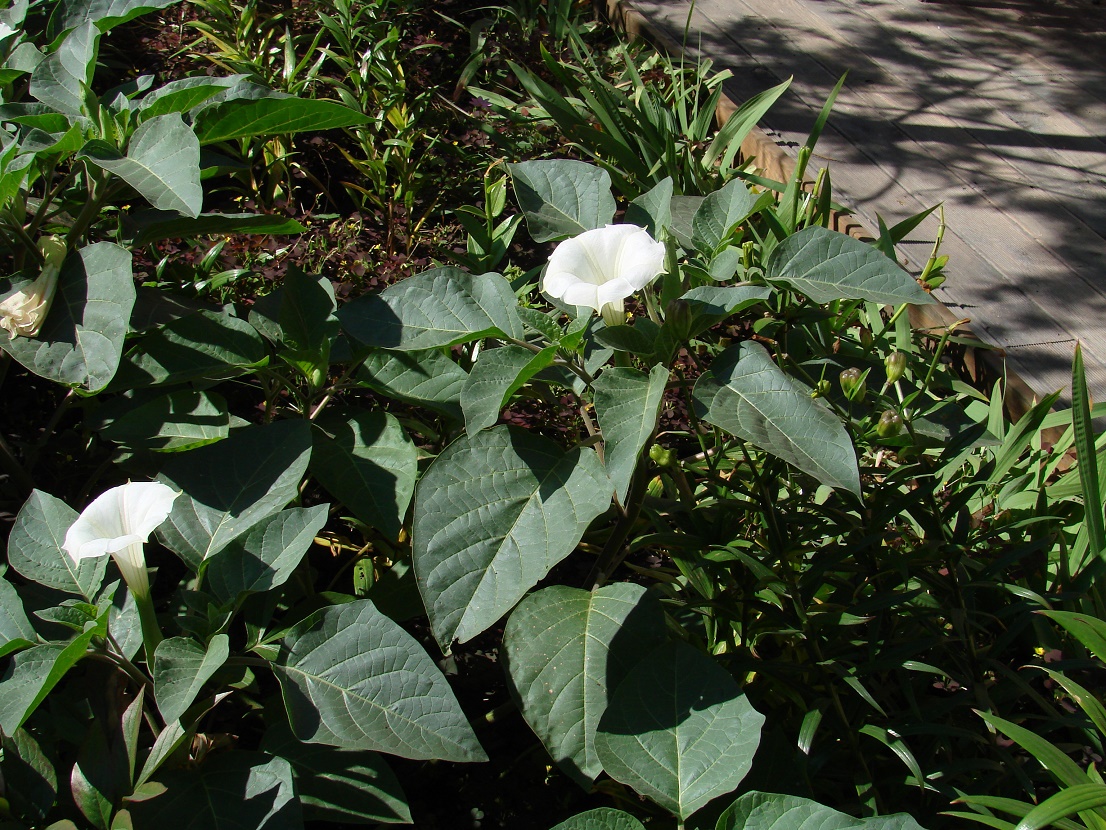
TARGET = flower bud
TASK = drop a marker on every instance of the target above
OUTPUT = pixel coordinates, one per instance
(866, 338)
(23, 312)
(889, 424)
(895, 364)
(661, 457)
(821, 389)
(854, 385)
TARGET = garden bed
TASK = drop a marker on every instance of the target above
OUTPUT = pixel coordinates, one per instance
(510, 453)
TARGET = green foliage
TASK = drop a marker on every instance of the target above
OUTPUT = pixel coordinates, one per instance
(716, 563)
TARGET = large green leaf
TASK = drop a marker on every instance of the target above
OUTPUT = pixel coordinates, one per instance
(746, 394)
(722, 210)
(566, 650)
(775, 811)
(180, 420)
(367, 462)
(33, 673)
(711, 304)
(231, 486)
(678, 730)
(826, 265)
(562, 198)
(440, 307)
(104, 13)
(81, 341)
(627, 403)
(498, 374)
(272, 116)
(353, 678)
(162, 163)
(340, 785)
(266, 556)
(35, 548)
(61, 78)
(31, 785)
(493, 514)
(181, 667)
(205, 345)
(16, 631)
(652, 210)
(603, 818)
(430, 378)
(229, 791)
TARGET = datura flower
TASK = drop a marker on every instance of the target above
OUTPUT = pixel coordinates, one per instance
(22, 313)
(118, 523)
(600, 268)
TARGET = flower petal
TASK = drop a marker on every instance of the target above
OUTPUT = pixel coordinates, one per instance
(118, 518)
(603, 265)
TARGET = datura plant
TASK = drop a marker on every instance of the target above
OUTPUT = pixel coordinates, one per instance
(738, 312)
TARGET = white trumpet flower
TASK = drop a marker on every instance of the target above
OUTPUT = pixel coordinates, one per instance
(117, 524)
(22, 314)
(600, 268)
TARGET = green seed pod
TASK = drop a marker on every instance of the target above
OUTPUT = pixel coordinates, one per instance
(896, 366)
(854, 385)
(889, 425)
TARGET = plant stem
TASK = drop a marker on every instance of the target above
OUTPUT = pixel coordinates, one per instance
(151, 631)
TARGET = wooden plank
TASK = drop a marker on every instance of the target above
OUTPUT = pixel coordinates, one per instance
(1036, 295)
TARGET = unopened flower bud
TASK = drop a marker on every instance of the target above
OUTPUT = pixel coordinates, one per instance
(661, 457)
(821, 389)
(896, 366)
(854, 385)
(889, 424)
(866, 338)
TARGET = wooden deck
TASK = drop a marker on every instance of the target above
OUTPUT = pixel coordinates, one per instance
(996, 108)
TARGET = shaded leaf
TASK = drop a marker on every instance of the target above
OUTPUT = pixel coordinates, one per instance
(162, 163)
(774, 811)
(604, 818)
(826, 265)
(204, 345)
(81, 341)
(353, 678)
(154, 225)
(652, 210)
(562, 197)
(181, 667)
(498, 374)
(32, 674)
(35, 548)
(231, 486)
(16, 631)
(367, 462)
(440, 307)
(266, 556)
(180, 420)
(678, 730)
(340, 785)
(493, 514)
(746, 394)
(242, 118)
(627, 403)
(566, 650)
(428, 378)
(30, 782)
(228, 791)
